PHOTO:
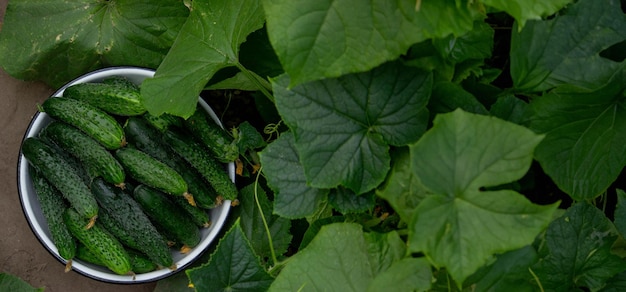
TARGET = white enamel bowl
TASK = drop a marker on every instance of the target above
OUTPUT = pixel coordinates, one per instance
(37, 221)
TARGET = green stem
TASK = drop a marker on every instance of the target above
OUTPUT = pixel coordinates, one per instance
(267, 228)
(263, 85)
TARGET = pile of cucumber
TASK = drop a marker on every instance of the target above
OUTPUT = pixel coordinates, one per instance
(122, 188)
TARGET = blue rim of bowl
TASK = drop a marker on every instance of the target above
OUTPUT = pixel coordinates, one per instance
(21, 160)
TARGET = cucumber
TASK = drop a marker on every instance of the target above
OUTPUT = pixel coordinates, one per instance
(87, 150)
(163, 121)
(89, 119)
(62, 176)
(113, 98)
(99, 241)
(116, 229)
(214, 137)
(149, 171)
(52, 206)
(148, 139)
(168, 215)
(122, 82)
(139, 263)
(199, 216)
(209, 167)
(124, 217)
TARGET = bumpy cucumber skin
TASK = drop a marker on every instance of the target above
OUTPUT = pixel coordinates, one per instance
(61, 175)
(89, 119)
(114, 99)
(199, 216)
(104, 245)
(87, 150)
(126, 214)
(121, 82)
(139, 263)
(164, 121)
(148, 139)
(212, 136)
(149, 171)
(209, 167)
(123, 235)
(167, 215)
(52, 207)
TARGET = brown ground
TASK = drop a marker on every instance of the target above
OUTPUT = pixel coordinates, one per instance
(21, 254)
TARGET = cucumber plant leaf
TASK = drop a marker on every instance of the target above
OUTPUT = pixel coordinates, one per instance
(343, 127)
(402, 190)
(524, 10)
(251, 220)
(510, 272)
(384, 249)
(335, 260)
(585, 146)
(10, 282)
(475, 44)
(346, 201)
(620, 213)
(459, 226)
(407, 274)
(55, 41)
(233, 266)
(566, 49)
(285, 176)
(331, 38)
(579, 251)
(213, 31)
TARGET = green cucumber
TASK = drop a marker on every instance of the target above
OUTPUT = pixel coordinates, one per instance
(168, 215)
(104, 245)
(214, 137)
(125, 218)
(89, 119)
(87, 150)
(114, 98)
(212, 170)
(163, 121)
(61, 174)
(199, 216)
(139, 263)
(149, 171)
(121, 82)
(52, 206)
(148, 139)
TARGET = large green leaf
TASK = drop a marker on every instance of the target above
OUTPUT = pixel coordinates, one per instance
(212, 34)
(566, 49)
(12, 283)
(343, 127)
(402, 189)
(56, 41)
(459, 226)
(579, 251)
(251, 220)
(408, 274)
(524, 10)
(475, 44)
(233, 266)
(510, 272)
(336, 260)
(585, 146)
(330, 38)
(285, 175)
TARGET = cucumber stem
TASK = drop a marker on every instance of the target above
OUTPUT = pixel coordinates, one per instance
(190, 199)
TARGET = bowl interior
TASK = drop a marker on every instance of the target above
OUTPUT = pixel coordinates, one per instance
(37, 221)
